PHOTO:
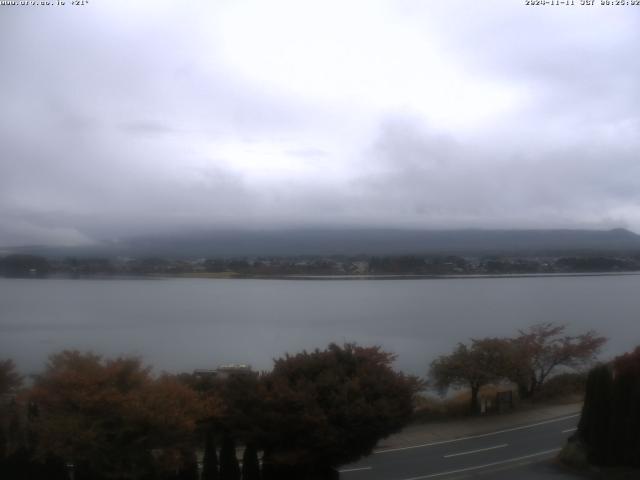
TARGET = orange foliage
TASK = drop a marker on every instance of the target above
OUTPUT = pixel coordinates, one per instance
(111, 414)
(9, 378)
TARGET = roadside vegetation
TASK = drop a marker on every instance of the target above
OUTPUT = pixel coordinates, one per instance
(564, 388)
(529, 361)
(114, 419)
(608, 435)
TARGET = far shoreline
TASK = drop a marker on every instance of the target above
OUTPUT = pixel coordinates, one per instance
(363, 277)
(234, 276)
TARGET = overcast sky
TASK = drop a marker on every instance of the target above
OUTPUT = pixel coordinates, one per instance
(127, 117)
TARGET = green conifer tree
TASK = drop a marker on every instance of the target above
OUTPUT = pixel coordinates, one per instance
(624, 436)
(210, 460)
(189, 466)
(250, 463)
(595, 421)
(229, 467)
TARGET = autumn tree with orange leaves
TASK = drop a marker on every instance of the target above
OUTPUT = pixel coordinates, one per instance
(109, 417)
(544, 348)
(113, 419)
(481, 362)
(527, 360)
(10, 382)
(10, 379)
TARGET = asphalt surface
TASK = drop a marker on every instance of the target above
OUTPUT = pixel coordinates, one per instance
(523, 453)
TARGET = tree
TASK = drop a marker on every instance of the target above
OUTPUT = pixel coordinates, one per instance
(18, 265)
(250, 463)
(473, 366)
(210, 459)
(189, 465)
(242, 402)
(624, 437)
(229, 468)
(10, 380)
(595, 420)
(170, 412)
(330, 407)
(106, 416)
(539, 351)
(609, 427)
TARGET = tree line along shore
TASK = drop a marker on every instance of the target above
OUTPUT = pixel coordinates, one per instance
(112, 418)
(23, 265)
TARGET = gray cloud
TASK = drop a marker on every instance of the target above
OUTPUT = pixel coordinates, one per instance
(441, 182)
(118, 120)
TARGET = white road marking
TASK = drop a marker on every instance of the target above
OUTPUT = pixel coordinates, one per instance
(479, 467)
(570, 430)
(471, 437)
(347, 470)
(451, 455)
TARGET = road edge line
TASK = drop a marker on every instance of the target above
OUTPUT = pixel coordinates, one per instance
(481, 435)
(470, 452)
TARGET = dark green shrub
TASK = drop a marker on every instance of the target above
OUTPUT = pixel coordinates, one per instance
(229, 467)
(595, 420)
(250, 463)
(625, 413)
(610, 423)
(189, 466)
(210, 459)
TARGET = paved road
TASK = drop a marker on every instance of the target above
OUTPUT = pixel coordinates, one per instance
(521, 453)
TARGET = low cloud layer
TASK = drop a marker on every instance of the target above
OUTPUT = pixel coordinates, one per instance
(119, 119)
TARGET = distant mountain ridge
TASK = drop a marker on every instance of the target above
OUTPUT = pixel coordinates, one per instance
(361, 241)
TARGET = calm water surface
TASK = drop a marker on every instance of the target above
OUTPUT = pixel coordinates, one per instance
(181, 324)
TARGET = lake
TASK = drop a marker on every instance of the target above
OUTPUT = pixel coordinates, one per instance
(182, 324)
